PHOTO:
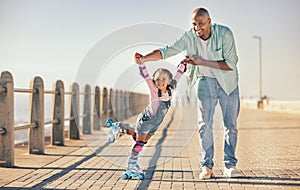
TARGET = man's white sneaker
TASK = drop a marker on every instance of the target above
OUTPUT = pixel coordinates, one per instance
(231, 172)
(206, 173)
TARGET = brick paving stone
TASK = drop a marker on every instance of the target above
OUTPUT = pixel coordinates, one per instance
(189, 185)
(201, 186)
(166, 185)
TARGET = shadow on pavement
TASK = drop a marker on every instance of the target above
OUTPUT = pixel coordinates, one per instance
(152, 165)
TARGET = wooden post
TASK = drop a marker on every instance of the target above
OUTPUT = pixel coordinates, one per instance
(124, 104)
(96, 113)
(128, 111)
(74, 112)
(58, 129)
(135, 103)
(115, 105)
(120, 106)
(36, 135)
(132, 104)
(86, 126)
(104, 113)
(110, 106)
(6, 120)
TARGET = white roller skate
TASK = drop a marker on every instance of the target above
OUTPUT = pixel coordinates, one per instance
(133, 170)
(115, 131)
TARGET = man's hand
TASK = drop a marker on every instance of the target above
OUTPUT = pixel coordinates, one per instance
(139, 58)
(194, 60)
(198, 60)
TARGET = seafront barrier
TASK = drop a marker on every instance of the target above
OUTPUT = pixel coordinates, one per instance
(97, 104)
(273, 105)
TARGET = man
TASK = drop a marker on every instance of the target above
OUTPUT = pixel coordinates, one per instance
(212, 60)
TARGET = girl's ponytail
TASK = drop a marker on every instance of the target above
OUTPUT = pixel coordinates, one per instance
(173, 84)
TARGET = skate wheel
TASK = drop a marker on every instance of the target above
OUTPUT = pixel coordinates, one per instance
(125, 176)
(141, 176)
(109, 123)
(111, 139)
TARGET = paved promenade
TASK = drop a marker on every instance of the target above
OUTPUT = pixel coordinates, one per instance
(268, 151)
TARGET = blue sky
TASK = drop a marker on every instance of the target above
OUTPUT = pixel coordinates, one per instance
(52, 38)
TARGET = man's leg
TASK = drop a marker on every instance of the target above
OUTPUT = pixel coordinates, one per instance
(207, 96)
(230, 105)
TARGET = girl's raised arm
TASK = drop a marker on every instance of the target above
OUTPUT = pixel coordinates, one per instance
(180, 70)
(146, 76)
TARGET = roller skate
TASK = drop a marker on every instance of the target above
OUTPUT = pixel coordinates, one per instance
(133, 171)
(115, 131)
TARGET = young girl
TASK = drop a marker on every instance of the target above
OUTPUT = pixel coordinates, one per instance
(161, 87)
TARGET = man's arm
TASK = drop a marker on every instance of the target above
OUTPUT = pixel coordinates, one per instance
(153, 56)
(197, 60)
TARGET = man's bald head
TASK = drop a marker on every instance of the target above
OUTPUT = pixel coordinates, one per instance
(200, 12)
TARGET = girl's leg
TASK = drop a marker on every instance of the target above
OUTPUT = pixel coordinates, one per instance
(129, 130)
(148, 137)
(139, 144)
(136, 149)
(141, 140)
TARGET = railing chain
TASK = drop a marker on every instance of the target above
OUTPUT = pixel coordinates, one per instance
(22, 90)
(69, 93)
(69, 118)
(26, 126)
(83, 115)
(55, 121)
(52, 92)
